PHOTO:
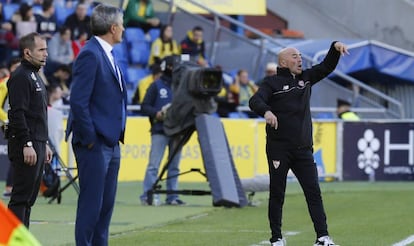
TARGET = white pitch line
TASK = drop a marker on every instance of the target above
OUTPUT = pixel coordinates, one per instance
(287, 234)
(405, 242)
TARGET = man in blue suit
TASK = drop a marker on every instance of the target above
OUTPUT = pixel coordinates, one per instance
(97, 119)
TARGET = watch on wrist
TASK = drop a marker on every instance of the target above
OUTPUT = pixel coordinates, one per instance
(28, 144)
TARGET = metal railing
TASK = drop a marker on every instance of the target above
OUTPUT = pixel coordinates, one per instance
(376, 92)
(262, 45)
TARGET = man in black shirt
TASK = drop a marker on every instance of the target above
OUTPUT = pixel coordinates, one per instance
(79, 22)
(284, 101)
(46, 20)
(28, 135)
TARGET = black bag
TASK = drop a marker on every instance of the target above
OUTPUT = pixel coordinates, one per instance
(50, 182)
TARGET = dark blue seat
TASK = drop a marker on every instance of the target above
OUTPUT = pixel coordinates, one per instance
(62, 13)
(9, 9)
(154, 33)
(134, 34)
(325, 115)
(121, 51)
(37, 9)
(135, 75)
(139, 53)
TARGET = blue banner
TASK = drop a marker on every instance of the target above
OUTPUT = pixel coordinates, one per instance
(378, 151)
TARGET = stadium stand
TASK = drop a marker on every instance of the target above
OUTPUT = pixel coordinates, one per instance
(9, 10)
(62, 12)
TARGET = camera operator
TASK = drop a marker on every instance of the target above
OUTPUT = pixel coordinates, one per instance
(156, 101)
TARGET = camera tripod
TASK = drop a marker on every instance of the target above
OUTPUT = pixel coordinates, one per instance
(220, 170)
(67, 171)
(179, 141)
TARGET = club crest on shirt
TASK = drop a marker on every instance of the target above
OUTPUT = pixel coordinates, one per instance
(301, 83)
(33, 76)
(286, 87)
(38, 87)
(163, 93)
(276, 163)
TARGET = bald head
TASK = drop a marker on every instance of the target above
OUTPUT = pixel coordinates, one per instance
(290, 58)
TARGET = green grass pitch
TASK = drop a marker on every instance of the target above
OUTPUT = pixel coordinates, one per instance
(359, 213)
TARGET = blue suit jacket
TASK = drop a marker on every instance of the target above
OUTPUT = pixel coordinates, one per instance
(96, 98)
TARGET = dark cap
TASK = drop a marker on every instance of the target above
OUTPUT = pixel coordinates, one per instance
(169, 61)
(341, 102)
(155, 68)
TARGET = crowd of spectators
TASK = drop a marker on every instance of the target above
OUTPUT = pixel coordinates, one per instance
(66, 38)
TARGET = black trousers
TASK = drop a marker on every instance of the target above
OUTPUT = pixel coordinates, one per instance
(26, 180)
(9, 179)
(301, 162)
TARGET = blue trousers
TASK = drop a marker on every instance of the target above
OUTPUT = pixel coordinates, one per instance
(98, 176)
(159, 142)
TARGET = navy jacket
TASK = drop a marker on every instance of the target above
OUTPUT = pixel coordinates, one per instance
(157, 96)
(96, 98)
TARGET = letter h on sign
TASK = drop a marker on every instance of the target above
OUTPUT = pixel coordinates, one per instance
(388, 147)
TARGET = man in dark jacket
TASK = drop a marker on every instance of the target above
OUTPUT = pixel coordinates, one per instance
(284, 101)
(156, 101)
(28, 135)
(79, 22)
(343, 110)
(193, 45)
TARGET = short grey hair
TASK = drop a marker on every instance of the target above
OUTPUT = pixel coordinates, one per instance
(103, 17)
(28, 41)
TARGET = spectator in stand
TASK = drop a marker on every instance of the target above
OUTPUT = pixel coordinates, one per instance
(8, 40)
(163, 46)
(4, 77)
(140, 13)
(61, 77)
(243, 88)
(24, 21)
(144, 83)
(344, 112)
(193, 44)
(79, 22)
(14, 63)
(46, 21)
(55, 116)
(225, 100)
(79, 43)
(271, 69)
(60, 47)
